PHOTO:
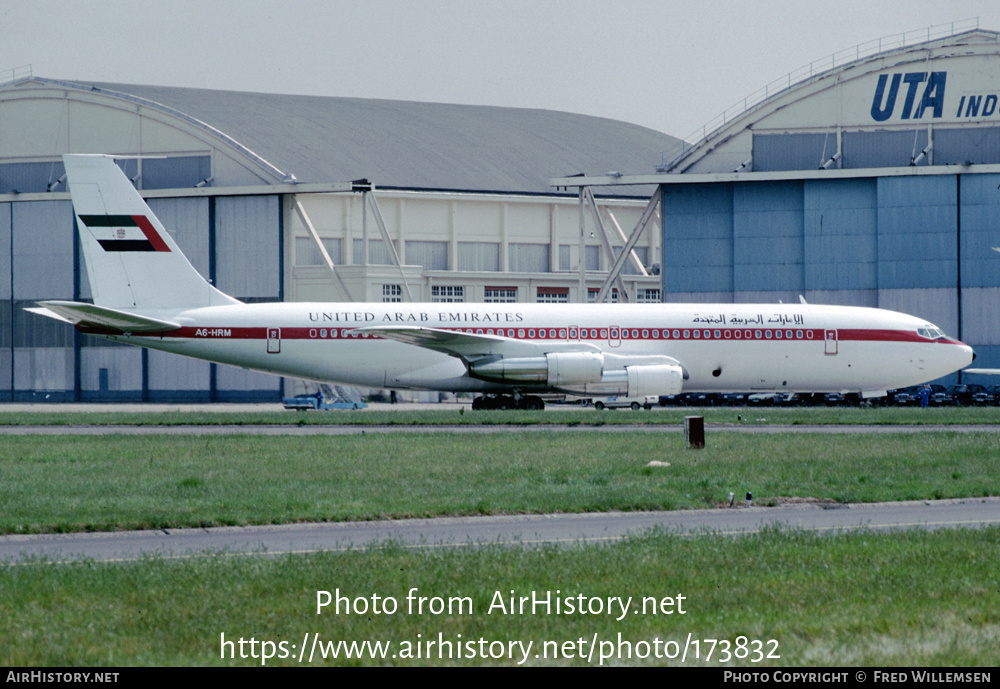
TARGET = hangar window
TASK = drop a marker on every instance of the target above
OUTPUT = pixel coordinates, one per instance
(500, 295)
(430, 255)
(32, 178)
(378, 254)
(564, 257)
(528, 258)
(308, 254)
(479, 256)
(974, 144)
(176, 172)
(392, 293)
(592, 293)
(552, 295)
(641, 253)
(447, 293)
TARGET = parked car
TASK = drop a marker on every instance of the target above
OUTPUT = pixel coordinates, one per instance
(699, 399)
(907, 396)
(633, 403)
(731, 399)
(956, 395)
(987, 397)
(765, 399)
(319, 401)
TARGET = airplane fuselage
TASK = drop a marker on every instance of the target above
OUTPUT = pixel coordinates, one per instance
(721, 347)
(147, 293)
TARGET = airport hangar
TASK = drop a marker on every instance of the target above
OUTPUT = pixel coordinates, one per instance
(870, 179)
(253, 185)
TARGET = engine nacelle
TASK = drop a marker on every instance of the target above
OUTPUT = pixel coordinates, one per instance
(556, 368)
(640, 381)
(663, 379)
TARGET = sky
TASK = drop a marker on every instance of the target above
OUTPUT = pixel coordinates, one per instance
(671, 65)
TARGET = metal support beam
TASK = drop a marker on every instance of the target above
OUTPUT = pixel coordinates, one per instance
(629, 245)
(338, 281)
(632, 256)
(588, 196)
(370, 201)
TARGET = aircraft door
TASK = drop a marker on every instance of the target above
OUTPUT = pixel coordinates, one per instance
(614, 336)
(830, 340)
(274, 340)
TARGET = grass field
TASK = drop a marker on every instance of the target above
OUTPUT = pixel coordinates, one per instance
(857, 599)
(914, 598)
(86, 483)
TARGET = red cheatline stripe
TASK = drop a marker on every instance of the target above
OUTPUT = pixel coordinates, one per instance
(151, 234)
(816, 335)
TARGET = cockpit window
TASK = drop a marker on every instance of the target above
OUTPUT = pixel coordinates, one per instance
(931, 332)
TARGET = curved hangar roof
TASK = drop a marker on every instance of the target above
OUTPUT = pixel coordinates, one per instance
(930, 103)
(259, 138)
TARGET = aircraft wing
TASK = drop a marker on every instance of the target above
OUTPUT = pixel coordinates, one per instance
(983, 371)
(471, 347)
(100, 317)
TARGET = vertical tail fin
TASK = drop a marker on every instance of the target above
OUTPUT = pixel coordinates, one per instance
(132, 262)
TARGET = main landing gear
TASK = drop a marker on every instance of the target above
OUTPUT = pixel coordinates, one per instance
(494, 401)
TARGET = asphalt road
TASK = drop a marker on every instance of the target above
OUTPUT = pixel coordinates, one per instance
(564, 529)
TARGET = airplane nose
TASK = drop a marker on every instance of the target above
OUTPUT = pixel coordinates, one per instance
(970, 353)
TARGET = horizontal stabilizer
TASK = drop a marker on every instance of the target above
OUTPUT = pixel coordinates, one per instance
(983, 371)
(469, 346)
(90, 316)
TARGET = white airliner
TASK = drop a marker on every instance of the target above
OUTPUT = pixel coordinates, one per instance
(147, 293)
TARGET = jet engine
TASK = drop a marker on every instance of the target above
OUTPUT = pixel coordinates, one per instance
(584, 373)
(552, 369)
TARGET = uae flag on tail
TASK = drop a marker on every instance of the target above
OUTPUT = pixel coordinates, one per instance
(122, 239)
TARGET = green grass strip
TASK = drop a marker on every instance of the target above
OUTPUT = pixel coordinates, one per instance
(84, 483)
(858, 599)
